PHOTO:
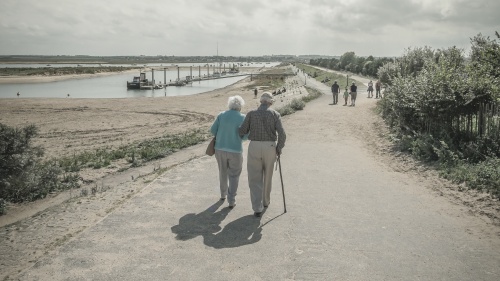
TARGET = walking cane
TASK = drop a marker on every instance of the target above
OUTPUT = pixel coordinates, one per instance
(282, 186)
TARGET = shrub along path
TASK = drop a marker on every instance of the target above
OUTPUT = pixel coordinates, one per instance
(354, 213)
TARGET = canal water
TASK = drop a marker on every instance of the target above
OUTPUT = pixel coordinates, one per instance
(115, 86)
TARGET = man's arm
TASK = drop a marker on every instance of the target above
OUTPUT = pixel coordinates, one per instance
(245, 126)
(281, 135)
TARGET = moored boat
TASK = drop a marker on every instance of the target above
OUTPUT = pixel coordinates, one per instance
(139, 82)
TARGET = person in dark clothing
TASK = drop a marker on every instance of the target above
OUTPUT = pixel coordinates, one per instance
(354, 94)
(378, 85)
(335, 91)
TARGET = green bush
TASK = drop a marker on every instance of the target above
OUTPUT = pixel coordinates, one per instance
(313, 94)
(483, 176)
(2, 206)
(297, 104)
(25, 176)
(432, 97)
(285, 110)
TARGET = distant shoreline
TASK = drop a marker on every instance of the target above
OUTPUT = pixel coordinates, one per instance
(17, 79)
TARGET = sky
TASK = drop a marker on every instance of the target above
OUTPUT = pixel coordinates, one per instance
(382, 28)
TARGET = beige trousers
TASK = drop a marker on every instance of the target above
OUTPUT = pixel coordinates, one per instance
(260, 164)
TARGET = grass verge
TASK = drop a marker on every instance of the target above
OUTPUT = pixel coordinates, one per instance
(326, 77)
(135, 154)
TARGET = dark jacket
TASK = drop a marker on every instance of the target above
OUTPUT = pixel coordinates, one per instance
(335, 88)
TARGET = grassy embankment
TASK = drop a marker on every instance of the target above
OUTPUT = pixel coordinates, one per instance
(325, 77)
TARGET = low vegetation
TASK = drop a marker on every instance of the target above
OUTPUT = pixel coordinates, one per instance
(443, 108)
(299, 103)
(55, 71)
(272, 79)
(135, 154)
(26, 176)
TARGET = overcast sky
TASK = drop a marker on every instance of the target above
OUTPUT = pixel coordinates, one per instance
(241, 27)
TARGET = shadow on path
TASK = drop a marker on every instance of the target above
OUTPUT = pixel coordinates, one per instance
(243, 231)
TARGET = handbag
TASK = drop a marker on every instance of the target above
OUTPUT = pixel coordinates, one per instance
(211, 147)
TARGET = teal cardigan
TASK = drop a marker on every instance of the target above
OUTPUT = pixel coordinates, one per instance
(225, 129)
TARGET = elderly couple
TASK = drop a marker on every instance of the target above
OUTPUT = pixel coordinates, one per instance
(263, 128)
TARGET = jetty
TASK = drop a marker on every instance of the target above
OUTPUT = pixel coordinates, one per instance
(140, 82)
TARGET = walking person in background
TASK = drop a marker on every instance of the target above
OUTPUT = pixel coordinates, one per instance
(346, 96)
(255, 93)
(378, 85)
(229, 148)
(354, 94)
(267, 139)
(370, 89)
(335, 92)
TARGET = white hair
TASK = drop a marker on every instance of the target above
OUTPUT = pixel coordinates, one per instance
(235, 103)
(267, 98)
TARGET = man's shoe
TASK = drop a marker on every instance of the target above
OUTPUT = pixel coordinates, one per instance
(222, 198)
(231, 206)
(258, 214)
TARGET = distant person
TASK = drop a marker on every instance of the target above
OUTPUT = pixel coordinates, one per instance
(229, 148)
(255, 93)
(346, 96)
(335, 92)
(354, 94)
(370, 89)
(267, 139)
(378, 85)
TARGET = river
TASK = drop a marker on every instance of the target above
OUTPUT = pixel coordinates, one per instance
(115, 85)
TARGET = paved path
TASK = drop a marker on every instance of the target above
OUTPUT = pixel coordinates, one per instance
(350, 217)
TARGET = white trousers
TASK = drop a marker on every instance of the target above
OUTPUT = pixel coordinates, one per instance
(230, 164)
(260, 164)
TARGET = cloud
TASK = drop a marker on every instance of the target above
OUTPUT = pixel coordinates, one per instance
(243, 27)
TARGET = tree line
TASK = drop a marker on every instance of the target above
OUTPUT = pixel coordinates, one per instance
(367, 66)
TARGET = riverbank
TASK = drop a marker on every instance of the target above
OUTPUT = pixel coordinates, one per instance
(45, 78)
(21, 79)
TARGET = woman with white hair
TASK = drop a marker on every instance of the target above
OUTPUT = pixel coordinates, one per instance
(229, 148)
(267, 139)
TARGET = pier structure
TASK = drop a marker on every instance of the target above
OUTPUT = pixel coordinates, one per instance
(220, 74)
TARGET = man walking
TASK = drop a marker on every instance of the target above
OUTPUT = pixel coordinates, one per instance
(354, 93)
(335, 91)
(267, 139)
(378, 85)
